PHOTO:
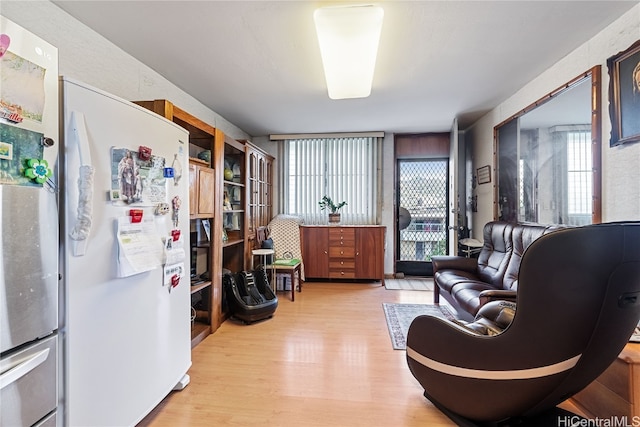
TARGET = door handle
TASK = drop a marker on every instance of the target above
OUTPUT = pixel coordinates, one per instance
(22, 368)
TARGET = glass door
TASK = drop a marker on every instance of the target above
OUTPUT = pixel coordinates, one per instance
(422, 214)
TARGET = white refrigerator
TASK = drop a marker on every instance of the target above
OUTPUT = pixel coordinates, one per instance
(124, 236)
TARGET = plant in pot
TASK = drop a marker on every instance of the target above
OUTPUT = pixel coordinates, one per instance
(328, 204)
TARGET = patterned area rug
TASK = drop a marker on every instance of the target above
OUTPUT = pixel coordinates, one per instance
(400, 316)
(413, 284)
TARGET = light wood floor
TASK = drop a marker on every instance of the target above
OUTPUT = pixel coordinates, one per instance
(324, 360)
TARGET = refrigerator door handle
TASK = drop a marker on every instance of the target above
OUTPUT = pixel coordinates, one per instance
(18, 371)
(80, 232)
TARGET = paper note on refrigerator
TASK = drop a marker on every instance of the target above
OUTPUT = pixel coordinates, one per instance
(140, 247)
(174, 251)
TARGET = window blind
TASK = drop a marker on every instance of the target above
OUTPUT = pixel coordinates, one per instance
(579, 171)
(343, 168)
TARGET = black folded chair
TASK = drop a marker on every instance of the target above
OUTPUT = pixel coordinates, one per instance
(578, 302)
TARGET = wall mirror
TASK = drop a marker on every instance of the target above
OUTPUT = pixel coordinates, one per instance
(547, 157)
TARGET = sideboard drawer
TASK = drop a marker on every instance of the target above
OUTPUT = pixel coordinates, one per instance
(342, 233)
(341, 252)
(343, 242)
(342, 274)
(341, 264)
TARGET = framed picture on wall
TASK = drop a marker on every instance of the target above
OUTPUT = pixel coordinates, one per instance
(624, 95)
(484, 174)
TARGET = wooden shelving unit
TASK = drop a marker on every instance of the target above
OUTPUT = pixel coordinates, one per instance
(206, 295)
(231, 226)
(233, 219)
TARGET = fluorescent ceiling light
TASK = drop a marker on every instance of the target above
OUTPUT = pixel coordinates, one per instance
(348, 37)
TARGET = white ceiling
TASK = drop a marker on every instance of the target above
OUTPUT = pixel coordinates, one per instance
(257, 63)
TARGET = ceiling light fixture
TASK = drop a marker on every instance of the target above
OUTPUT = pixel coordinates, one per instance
(348, 37)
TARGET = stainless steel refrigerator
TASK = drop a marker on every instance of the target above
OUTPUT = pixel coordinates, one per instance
(29, 277)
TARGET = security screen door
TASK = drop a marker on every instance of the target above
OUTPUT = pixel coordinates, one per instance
(422, 195)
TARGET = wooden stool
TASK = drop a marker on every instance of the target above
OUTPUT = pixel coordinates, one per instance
(291, 267)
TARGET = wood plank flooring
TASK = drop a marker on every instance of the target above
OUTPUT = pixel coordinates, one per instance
(324, 360)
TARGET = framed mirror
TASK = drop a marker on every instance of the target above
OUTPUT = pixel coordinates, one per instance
(548, 157)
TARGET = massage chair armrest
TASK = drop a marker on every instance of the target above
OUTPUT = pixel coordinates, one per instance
(463, 343)
(443, 262)
(497, 295)
(493, 318)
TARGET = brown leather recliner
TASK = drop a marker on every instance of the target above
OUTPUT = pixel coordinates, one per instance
(577, 304)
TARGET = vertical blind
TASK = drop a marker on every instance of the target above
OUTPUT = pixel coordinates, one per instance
(579, 171)
(345, 169)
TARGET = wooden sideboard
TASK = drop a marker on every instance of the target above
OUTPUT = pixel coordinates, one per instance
(343, 251)
(615, 393)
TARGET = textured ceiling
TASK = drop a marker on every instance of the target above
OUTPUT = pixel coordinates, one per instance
(257, 63)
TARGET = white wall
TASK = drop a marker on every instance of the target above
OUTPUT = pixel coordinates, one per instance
(85, 55)
(620, 165)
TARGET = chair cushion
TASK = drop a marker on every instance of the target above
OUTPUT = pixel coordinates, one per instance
(522, 236)
(467, 294)
(446, 279)
(495, 254)
(286, 262)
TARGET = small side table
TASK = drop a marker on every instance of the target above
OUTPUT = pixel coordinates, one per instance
(264, 253)
(470, 247)
(292, 267)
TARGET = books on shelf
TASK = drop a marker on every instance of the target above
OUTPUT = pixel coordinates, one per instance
(206, 225)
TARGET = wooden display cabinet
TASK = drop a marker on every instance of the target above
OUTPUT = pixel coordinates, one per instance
(259, 183)
(230, 159)
(201, 189)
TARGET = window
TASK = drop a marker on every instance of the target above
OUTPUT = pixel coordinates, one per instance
(579, 173)
(341, 168)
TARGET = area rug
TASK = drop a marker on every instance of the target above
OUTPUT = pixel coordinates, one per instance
(400, 316)
(413, 284)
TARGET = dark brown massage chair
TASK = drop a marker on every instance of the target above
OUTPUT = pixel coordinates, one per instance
(577, 304)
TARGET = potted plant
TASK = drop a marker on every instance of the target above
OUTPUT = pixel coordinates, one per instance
(327, 203)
